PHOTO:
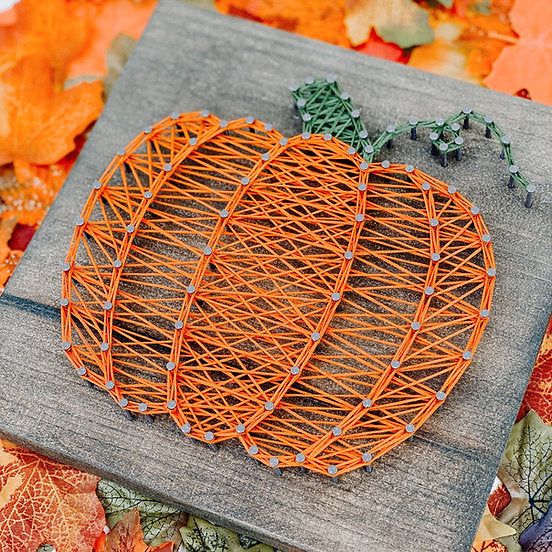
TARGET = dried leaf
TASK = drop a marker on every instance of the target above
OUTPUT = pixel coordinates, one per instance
(38, 124)
(201, 536)
(538, 537)
(42, 501)
(51, 29)
(538, 395)
(127, 536)
(489, 546)
(445, 55)
(399, 21)
(160, 522)
(320, 19)
(491, 529)
(377, 47)
(521, 65)
(526, 471)
(109, 19)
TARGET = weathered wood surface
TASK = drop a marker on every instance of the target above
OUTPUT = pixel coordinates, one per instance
(427, 494)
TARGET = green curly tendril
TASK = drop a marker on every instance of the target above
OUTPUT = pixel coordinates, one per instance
(326, 109)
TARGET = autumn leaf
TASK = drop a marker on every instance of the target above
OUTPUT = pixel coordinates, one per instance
(28, 195)
(526, 471)
(485, 36)
(42, 501)
(377, 47)
(8, 259)
(38, 124)
(320, 19)
(489, 546)
(499, 498)
(522, 66)
(538, 537)
(446, 55)
(51, 29)
(108, 19)
(160, 522)
(491, 529)
(401, 22)
(6, 228)
(201, 536)
(538, 395)
(127, 536)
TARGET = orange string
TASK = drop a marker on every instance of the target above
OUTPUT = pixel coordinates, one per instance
(278, 291)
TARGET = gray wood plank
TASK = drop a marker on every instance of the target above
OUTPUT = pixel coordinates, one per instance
(422, 492)
(430, 490)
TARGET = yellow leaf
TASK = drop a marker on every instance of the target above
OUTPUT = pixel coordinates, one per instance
(401, 22)
(491, 529)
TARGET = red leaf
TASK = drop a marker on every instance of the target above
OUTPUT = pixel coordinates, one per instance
(377, 47)
(538, 395)
(45, 502)
(127, 536)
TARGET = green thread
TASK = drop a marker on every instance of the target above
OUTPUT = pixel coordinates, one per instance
(325, 109)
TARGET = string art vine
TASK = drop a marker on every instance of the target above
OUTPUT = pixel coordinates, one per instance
(289, 293)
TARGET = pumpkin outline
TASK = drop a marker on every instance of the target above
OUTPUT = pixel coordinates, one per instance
(108, 313)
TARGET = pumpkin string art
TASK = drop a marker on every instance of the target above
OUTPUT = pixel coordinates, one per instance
(289, 293)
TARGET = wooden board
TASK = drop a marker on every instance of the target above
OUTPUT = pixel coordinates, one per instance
(427, 494)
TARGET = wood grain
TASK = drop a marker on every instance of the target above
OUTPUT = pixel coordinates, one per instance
(427, 494)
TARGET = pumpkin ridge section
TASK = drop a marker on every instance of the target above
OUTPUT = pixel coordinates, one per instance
(417, 178)
(161, 155)
(436, 358)
(252, 247)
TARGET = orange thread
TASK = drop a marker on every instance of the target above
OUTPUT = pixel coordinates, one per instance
(279, 291)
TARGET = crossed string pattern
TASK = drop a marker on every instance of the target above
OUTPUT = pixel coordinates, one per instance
(283, 292)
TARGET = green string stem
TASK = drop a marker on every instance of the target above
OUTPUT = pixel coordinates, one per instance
(325, 109)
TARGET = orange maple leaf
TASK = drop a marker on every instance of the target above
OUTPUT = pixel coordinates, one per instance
(38, 124)
(320, 19)
(109, 19)
(52, 29)
(127, 536)
(45, 502)
(524, 65)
